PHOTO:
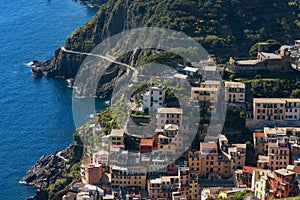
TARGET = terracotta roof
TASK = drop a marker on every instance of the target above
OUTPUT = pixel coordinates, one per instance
(248, 169)
(146, 142)
(259, 134)
(296, 169)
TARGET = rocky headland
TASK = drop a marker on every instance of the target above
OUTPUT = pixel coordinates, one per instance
(52, 173)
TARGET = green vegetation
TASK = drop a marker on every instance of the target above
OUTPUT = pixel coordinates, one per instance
(224, 28)
(268, 84)
(107, 121)
(235, 196)
(274, 88)
(162, 57)
(57, 189)
(292, 198)
(238, 195)
(140, 114)
(75, 171)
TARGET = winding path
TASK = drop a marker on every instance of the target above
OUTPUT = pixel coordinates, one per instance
(110, 58)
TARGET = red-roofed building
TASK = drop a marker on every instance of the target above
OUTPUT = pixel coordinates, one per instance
(146, 145)
(244, 176)
(91, 174)
(282, 184)
(248, 169)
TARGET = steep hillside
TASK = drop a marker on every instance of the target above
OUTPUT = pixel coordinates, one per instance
(224, 28)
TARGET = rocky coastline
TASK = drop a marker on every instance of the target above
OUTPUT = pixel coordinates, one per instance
(48, 169)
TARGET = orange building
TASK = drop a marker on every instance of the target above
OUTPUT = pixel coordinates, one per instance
(91, 174)
(146, 145)
(259, 139)
(282, 184)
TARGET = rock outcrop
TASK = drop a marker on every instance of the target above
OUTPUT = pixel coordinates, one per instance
(50, 168)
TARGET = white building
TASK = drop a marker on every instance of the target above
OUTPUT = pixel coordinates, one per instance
(154, 98)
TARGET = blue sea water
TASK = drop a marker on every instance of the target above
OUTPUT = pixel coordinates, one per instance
(35, 114)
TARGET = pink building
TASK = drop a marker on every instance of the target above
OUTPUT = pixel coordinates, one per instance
(184, 178)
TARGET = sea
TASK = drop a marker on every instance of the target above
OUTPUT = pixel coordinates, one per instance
(35, 114)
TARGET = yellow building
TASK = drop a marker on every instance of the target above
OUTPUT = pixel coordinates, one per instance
(271, 146)
(209, 161)
(235, 95)
(124, 177)
(169, 116)
(279, 110)
(194, 188)
(228, 193)
(168, 142)
(194, 161)
(206, 94)
(268, 109)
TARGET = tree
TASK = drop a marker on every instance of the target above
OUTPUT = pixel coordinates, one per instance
(295, 93)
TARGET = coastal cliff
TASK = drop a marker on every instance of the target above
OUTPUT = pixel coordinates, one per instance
(52, 173)
(224, 28)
